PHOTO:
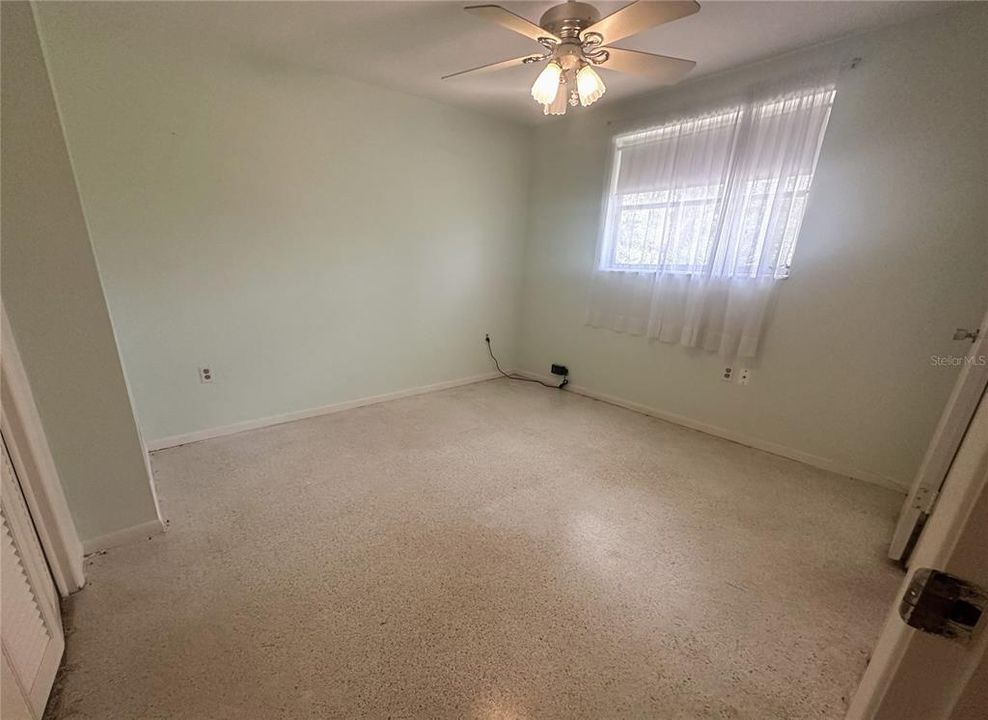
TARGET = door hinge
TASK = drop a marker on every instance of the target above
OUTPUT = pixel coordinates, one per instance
(923, 498)
(942, 604)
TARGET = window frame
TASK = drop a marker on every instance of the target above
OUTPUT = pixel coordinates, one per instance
(613, 209)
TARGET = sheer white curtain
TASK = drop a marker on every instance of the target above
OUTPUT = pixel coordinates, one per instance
(701, 218)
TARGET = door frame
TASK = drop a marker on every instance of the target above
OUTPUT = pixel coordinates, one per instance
(900, 672)
(950, 429)
(31, 456)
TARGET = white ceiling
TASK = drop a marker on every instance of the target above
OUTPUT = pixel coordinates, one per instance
(410, 45)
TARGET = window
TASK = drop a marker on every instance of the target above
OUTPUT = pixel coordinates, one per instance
(721, 194)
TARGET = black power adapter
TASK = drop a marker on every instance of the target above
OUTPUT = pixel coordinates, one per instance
(556, 369)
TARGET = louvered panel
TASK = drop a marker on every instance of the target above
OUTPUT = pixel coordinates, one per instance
(22, 527)
(29, 612)
(25, 636)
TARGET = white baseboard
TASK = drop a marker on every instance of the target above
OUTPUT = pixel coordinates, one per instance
(682, 420)
(756, 443)
(123, 537)
(184, 439)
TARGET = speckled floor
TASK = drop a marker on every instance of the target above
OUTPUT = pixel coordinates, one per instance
(494, 551)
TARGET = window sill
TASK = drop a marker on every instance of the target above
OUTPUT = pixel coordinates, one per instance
(653, 269)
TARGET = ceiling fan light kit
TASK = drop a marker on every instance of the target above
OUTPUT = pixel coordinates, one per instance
(546, 85)
(589, 86)
(559, 103)
(575, 39)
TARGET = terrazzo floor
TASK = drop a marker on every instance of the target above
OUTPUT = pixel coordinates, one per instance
(498, 550)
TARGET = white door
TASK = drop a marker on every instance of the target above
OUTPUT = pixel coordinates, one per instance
(30, 623)
(946, 439)
(922, 675)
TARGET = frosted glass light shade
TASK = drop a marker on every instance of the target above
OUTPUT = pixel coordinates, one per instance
(546, 85)
(558, 105)
(589, 85)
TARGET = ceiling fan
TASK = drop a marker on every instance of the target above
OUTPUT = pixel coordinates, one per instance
(575, 40)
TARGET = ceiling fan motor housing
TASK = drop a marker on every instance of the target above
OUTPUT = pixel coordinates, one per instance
(568, 19)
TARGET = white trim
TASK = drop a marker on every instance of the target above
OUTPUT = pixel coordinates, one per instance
(756, 443)
(951, 427)
(132, 534)
(903, 664)
(36, 471)
(196, 436)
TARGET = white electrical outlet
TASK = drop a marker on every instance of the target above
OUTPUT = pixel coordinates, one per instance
(744, 377)
(727, 375)
(205, 375)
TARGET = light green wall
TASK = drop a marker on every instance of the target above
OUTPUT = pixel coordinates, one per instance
(892, 257)
(311, 239)
(316, 240)
(54, 302)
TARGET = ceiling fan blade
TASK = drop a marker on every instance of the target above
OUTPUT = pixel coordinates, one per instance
(661, 68)
(506, 18)
(503, 65)
(640, 16)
